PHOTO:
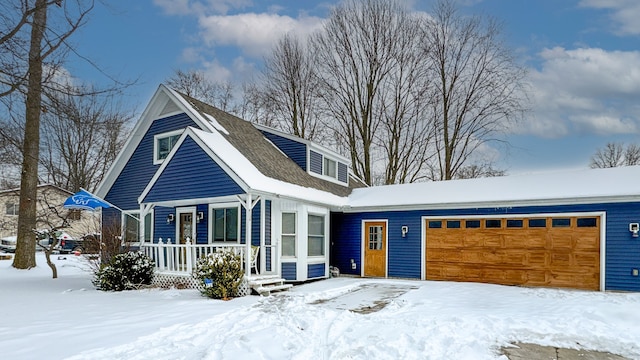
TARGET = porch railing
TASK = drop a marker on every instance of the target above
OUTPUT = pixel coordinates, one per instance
(182, 258)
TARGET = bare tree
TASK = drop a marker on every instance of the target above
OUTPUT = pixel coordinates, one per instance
(356, 54)
(290, 84)
(405, 98)
(32, 47)
(195, 83)
(256, 108)
(615, 154)
(479, 87)
(479, 170)
(82, 137)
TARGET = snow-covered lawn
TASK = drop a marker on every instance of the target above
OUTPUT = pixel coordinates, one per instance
(67, 318)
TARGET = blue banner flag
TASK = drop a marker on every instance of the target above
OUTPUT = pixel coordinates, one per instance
(85, 200)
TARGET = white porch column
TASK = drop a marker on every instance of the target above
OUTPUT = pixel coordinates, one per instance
(247, 253)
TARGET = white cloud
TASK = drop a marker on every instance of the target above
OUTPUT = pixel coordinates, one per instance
(253, 33)
(586, 90)
(188, 7)
(624, 13)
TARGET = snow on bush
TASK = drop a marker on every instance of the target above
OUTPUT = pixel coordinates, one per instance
(220, 274)
(125, 271)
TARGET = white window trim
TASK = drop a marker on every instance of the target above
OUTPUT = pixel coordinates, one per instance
(123, 229)
(151, 230)
(327, 177)
(157, 137)
(324, 236)
(15, 209)
(295, 234)
(186, 210)
(215, 206)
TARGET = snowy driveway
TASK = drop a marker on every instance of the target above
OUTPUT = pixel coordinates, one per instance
(431, 320)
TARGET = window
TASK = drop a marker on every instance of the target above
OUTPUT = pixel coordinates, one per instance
(225, 224)
(148, 227)
(435, 224)
(587, 222)
(561, 222)
(130, 229)
(375, 237)
(12, 209)
(74, 214)
(537, 223)
(472, 224)
(492, 223)
(329, 168)
(316, 236)
(512, 223)
(288, 234)
(163, 144)
(453, 224)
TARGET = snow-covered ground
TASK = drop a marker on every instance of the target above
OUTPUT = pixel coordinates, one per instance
(67, 318)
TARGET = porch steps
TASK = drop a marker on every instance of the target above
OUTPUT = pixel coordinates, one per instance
(266, 284)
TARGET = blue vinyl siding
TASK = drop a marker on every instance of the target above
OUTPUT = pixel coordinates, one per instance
(297, 151)
(192, 174)
(267, 234)
(255, 225)
(162, 230)
(289, 271)
(404, 254)
(139, 170)
(342, 172)
(316, 270)
(202, 227)
(315, 162)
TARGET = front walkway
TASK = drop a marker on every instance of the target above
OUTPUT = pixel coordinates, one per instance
(522, 351)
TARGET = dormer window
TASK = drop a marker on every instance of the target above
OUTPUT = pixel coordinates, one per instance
(330, 168)
(162, 145)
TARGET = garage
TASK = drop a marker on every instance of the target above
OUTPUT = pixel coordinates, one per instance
(550, 251)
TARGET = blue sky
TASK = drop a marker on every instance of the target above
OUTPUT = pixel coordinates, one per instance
(583, 58)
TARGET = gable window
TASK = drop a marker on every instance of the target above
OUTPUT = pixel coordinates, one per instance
(12, 209)
(162, 145)
(315, 244)
(288, 234)
(330, 168)
(225, 224)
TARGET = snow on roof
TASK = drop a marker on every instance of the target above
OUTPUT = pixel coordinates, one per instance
(255, 180)
(585, 185)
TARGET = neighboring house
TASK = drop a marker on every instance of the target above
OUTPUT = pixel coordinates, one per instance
(48, 196)
(200, 179)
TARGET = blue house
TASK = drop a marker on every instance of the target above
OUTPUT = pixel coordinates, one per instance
(193, 179)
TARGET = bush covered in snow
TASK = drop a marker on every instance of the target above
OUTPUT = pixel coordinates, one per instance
(220, 274)
(125, 271)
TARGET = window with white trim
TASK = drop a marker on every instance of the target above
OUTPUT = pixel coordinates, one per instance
(315, 243)
(226, 224)
(148, 227)
(163, 143)
(12, 209)
(330, 168)
(130, 228)
(288, 234)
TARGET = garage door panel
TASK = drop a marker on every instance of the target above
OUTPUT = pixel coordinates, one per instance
(517, 255)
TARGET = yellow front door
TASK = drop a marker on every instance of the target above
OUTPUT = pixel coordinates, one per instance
(375, 248)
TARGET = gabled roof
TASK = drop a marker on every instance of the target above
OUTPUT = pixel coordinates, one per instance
(243, 171)
(549, 188)
(262, 153)
(240, 134)
(40, 187)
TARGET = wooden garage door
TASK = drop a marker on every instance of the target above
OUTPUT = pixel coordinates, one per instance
(553, 251)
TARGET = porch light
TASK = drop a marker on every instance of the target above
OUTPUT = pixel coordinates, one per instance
(200, 216)
(170, 218)
(405, 230)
